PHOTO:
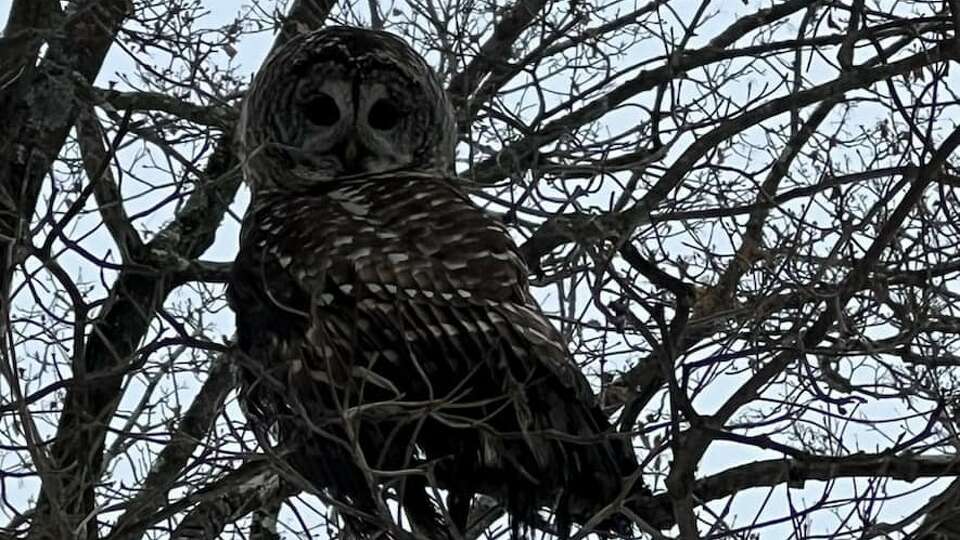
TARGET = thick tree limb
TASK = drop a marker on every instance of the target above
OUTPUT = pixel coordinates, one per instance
(942, 522)
(217, 116)
(27, 23)
(263, 524)
(250, 487)
(38, 104)
(795, 472)
(133, 302)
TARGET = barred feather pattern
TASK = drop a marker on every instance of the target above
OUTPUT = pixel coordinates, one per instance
(390, 314)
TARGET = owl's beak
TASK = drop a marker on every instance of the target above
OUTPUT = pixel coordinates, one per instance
(351, 155)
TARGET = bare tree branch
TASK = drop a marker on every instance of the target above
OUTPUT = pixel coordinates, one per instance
(492, 53)
(172, 460)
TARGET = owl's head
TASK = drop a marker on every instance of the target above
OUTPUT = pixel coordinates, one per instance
(344, 101)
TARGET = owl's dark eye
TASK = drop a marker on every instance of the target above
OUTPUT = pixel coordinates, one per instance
(384, 115)
(322, 110)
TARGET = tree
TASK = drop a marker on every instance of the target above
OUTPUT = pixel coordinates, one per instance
(741, 217)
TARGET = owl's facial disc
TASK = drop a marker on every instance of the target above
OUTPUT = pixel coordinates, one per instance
(351, 125)
(341, 102)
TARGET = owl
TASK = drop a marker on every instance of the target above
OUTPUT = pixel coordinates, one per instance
(386, 330)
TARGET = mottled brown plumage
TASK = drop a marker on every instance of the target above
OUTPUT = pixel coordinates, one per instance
(387, 321)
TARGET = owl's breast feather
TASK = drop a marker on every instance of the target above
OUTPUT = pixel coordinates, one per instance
(414, 235)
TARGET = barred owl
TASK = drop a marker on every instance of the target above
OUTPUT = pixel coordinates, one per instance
(385, 321)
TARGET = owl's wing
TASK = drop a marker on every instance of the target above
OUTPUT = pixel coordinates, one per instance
(416, 262)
